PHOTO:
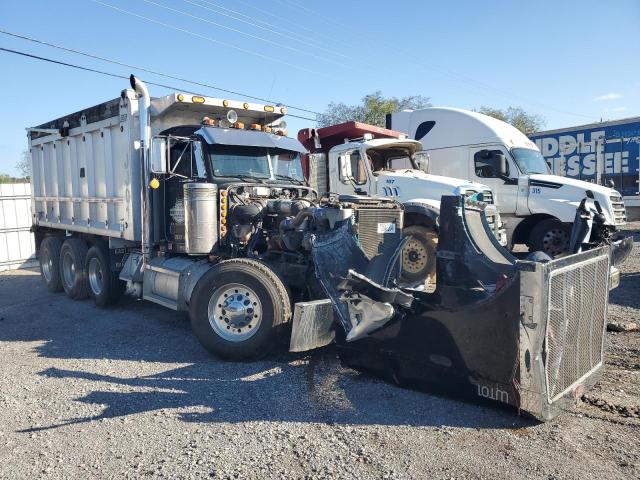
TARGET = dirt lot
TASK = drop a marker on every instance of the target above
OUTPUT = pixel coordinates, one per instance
(128, 392)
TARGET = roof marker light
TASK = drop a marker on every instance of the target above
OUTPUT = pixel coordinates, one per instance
(269, 108)
(245, 105)
(180, 97)
(197, 99)
(225, 103)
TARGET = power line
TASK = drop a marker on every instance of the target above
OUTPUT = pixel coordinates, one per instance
(462, 79)
(109, 74)
(143, 69)
(241, 32)
(269, 27)
(204, 37)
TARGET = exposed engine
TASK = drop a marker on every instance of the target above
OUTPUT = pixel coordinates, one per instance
(261, 219)
(280, 226)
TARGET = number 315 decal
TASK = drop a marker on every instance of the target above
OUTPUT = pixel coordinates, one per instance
(536, 190)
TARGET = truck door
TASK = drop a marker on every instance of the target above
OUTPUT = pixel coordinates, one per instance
(482, 171)
(352, 173)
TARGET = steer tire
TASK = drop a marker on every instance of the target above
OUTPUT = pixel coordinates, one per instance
(550, 236)
(238, 309)
(104, 285)
(418, 256)
(50, 263)
(73, 273)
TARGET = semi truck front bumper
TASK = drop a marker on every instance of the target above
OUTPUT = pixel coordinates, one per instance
(529, 335)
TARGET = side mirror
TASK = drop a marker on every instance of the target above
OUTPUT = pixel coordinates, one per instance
(159, 155)
(499, 164)
(344, 162)
(423, 161)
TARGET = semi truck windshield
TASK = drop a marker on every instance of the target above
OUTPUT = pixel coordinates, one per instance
(530, 161)
(287, 164)
(233, 160)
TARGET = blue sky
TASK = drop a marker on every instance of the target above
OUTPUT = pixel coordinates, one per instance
(572, 61)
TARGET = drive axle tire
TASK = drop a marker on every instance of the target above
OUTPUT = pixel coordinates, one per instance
(104, 285)
(50, 263)
(73, 273)
(238, 309)
(418, 255)
(550, 236)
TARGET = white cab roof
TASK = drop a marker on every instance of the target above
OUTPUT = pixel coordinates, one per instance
(456, 126)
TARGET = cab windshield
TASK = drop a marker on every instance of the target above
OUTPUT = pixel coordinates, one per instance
(287, 165)
(390, 159)
(237, 161)
(529, 161)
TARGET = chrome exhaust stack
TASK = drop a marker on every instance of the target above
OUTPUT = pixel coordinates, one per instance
(144, 101)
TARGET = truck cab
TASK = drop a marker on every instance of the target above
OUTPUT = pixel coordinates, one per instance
(537, 208)
(367, 160)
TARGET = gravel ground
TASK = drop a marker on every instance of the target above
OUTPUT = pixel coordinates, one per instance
(128, 392)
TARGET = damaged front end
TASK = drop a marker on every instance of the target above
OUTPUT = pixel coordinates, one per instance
(524, 333)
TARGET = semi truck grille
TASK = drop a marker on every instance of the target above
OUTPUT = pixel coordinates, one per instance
(619, 210)
(487, 196)
(577, 304)
(379, 230)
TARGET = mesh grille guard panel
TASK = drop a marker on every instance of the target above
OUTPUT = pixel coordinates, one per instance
(576, 315)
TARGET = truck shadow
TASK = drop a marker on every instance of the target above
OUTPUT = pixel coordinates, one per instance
(283, 388)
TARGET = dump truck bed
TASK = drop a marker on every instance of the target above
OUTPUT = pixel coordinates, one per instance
(86, 165)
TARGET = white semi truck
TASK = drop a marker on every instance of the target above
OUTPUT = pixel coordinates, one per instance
(537, 208)
(355, 157)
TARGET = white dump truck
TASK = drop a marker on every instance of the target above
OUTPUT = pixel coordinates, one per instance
(355, 157)
(537, 208)
(177, 200)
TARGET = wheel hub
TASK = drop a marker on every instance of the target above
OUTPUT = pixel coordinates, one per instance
(555, 242)
(68, 270)
(47, 265)
(235, 312)
(415, 256)
(95, 276)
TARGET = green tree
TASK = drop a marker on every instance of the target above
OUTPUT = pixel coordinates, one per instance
(527, 123)
(4, 178)
(372, 109)
(24, 165)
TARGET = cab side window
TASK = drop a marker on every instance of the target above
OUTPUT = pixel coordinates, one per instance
(358, 169)
(483, 163)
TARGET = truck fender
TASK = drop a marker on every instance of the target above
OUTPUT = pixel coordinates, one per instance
(562, 209)
(428, 209)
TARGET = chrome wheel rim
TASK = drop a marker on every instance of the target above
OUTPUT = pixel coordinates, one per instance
(555, 242)
(68, 269)
(47, 265)
(96, 276)
(415, 256)
(235, 312)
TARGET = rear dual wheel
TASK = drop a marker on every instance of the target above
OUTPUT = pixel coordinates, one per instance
(50, 263)
(105, 286)
(73, 272)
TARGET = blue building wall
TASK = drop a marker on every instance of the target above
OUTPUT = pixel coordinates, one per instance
(595, 153)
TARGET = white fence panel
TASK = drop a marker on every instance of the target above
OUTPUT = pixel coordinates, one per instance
(17, 246)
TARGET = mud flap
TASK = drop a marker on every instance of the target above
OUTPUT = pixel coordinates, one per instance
(313, 324)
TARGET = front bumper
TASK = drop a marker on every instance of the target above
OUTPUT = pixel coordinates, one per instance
(520, 333)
